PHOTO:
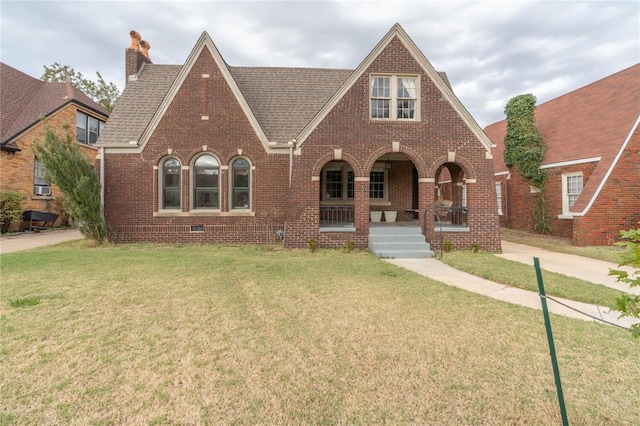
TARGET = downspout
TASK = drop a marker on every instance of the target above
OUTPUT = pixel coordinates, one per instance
(292, 144)
(102, 159)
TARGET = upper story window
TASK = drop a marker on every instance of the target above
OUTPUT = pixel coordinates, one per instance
(240, 184)
(171, 170)
(394, 97)
(41, 184)
(571, 189)
(206, 182)
(87, 128)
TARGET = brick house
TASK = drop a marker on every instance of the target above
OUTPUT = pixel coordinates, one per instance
(207, 152)
(592, 158)
(25, 100)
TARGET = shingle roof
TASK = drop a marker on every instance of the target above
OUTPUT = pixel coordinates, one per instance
(592, 121)
(283, 100)
(25, 99)
(138, 103)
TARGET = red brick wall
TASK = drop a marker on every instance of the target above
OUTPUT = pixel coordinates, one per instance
(616, 207)
(131, 192)
(131, 182)
(18, 168)
(618, 204)
(426, 143)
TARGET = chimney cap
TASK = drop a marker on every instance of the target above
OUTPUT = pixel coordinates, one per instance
(144, 48)
(135, 39)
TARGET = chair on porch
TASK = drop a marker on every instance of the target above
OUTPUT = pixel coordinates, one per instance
(443, 210)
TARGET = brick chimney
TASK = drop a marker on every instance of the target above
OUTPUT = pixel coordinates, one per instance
(136, 55)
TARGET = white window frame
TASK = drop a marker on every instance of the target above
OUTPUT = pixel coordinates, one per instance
(393, 99)
(249, 205)
(83, 121)
(345, 168)
(192, 183)
(40, 179)
(161, 186)
(566, 213)
(385, 188)
(499, 197)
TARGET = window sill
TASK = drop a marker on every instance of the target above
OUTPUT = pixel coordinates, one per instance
(166, 213)
(389, 120)
(379, 203)
(42, 197)
(565, 216)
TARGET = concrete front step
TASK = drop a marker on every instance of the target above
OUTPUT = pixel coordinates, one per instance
(398, 242)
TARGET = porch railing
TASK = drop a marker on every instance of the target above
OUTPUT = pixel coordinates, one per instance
(451, 216)
(336, 214)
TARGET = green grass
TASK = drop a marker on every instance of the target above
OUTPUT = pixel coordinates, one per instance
(169, 334)
(22, 302)
(561, 245)
(520, 275)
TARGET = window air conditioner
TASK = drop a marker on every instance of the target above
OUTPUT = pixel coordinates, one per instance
(42, 190)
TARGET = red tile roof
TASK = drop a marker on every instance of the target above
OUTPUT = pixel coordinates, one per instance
(593, 121)
(24, 100)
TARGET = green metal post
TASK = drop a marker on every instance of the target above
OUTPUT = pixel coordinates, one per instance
(552, 348)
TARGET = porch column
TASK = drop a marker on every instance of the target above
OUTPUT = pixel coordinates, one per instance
(361, 204)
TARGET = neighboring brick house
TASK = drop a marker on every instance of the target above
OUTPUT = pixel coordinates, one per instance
(25, 101)
(207, 152)
(593, 162)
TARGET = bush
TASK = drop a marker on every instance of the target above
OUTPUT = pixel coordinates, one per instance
(447, 245)
(10, 209)
(629, 306)
(72, 172)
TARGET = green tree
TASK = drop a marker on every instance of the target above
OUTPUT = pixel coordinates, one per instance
(73, 173)
(629, 306)
(106, 94)
(524, 150)
(11, 206)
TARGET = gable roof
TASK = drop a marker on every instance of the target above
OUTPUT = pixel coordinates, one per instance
(279, 102)
(441, 83)
(25, 99)
(592, 123)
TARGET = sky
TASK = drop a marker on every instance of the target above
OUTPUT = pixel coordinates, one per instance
(490, 50)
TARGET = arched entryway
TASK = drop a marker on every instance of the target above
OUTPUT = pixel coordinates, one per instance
(450, 195)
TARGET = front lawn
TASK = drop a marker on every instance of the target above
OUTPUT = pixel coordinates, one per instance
(171, 334)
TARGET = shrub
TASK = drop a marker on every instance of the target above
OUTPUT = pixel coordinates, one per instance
(447, 246)
(475, 247)
(10, 209)
(348, 246)
(72, 172)
(312, 246)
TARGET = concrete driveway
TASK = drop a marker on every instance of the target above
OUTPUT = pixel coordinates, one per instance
(30, 240)
(591, 270)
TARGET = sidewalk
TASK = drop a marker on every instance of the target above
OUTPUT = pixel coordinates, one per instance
(438, 271)
(30, 240)
(591, 270)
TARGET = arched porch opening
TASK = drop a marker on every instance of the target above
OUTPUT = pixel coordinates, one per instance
(450, 196)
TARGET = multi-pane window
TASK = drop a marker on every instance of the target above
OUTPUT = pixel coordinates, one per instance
(171, 170)
(41, 184)
(394, 97)
(407, 96)
(380, 97)
(338, 183)
(376, 184)
(499, 196)
(87, 128)
(571, 188)
(206, 175)
(240, 184)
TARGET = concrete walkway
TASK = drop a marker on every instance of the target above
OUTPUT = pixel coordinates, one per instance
(565, 264)
(591, 270)
(30, 240)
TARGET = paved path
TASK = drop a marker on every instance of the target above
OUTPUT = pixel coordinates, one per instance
(591, 270)
(30, 240)
(566, 264)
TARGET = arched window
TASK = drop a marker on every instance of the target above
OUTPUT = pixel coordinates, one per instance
(171, 170)
(206, 183)
(240, 184)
